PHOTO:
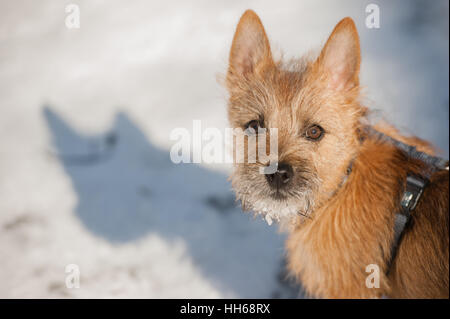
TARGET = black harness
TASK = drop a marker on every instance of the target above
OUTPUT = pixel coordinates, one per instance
(415, 185)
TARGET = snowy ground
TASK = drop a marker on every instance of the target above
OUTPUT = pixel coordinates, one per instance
(85, 117)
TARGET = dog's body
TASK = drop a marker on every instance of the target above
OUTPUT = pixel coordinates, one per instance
(349, 224)
(330, 253)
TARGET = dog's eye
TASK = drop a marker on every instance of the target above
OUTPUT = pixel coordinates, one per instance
(314, 132)
(254, 124)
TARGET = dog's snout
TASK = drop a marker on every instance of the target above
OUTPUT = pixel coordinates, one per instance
(281, 177)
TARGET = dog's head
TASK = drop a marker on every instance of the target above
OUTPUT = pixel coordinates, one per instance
(312, 102)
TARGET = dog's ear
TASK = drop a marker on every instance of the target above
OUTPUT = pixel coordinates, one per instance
(340, 57)
(250, 49)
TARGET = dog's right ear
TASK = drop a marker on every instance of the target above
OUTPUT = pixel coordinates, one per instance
(250, 49)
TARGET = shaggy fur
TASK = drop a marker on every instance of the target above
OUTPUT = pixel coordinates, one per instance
(337, 229)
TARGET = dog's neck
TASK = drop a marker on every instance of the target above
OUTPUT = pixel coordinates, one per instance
(363, 207)
(431, 163)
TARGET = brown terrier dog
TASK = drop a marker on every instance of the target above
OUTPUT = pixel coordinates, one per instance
(345, 180)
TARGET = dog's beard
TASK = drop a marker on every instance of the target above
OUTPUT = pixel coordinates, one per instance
(288, 206)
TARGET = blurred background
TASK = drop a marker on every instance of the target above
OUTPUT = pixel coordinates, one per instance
(85, 118)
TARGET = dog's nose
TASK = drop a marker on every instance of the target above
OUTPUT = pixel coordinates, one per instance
(281, 177)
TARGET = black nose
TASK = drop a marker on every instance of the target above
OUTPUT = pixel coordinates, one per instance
(281, 177)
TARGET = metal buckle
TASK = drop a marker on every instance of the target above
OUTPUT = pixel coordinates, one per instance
(414, 189)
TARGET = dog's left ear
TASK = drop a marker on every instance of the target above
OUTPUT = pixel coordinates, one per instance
(340, 57)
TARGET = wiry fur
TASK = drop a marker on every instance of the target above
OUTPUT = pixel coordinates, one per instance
(338, 229)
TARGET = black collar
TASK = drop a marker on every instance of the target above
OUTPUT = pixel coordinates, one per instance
(434, 163)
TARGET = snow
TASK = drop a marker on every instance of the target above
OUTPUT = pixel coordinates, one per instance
(86, 114)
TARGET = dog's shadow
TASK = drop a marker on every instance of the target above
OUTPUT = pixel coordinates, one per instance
(128, 188)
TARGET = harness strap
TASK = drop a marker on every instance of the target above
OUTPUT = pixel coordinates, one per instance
(415, 186)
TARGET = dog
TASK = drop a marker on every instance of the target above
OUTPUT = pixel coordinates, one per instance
(342, 185)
